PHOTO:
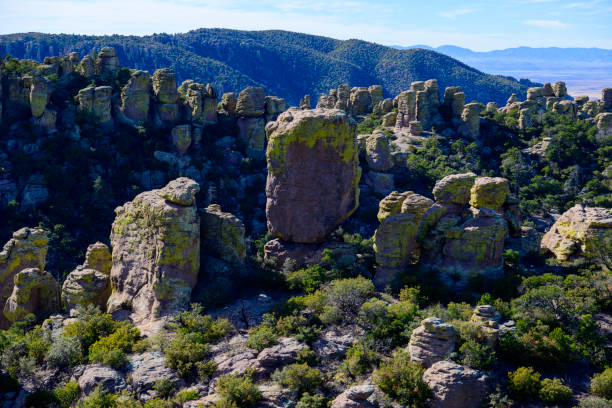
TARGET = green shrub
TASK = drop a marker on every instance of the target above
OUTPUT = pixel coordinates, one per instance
(360, 358)
(261, 337)
(306, 356)
(601, 384)
(99, 398)
(594, 402)
(298, 377)
(554, 392)
(309, 279)
(164, 387)
(402, 380)
(67, 394)
(312, 401)
(90, 326)
(238, 390)
(187, 395)
(186, 353)
(524, 383)
(64, 352)
(480, 357)
(344, 298)
(112, 349)
(194, 321)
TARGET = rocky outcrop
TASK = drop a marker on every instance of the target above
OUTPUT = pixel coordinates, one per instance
(147, 368)
(136, 96)
(454, 102)
(228, 103)
(606, 99)
(166, 96)
(313, 174)
(96, 101)
(201, 101)
(251, 102)
(27, 249)
(355, 397)
(470, 120)
(40, 92)
(156, 251)
(274, 106)
(223, 235)
(107, 378)
(106, 61)
(454, 189)
(489, 192)
(604, 125)
(378, 151)
(89, 283)
(406, 109)
(431, 342)
(252, 134)
(486, 319)
(300, 255)
(580, 231)
(455, 386)
(34, 291)
(181, 138)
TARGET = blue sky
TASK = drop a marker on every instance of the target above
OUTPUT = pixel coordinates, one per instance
(479, 25)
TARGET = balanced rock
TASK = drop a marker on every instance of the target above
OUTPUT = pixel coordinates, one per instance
(89, 283)
(486, 319)
(454, 189)
(223, 234)
(580, 231)
(27, 249)
(202, 101)
(560, 89)
(34, 291)
(40, 91)
(251, 102)
(378, 151)
(156, 251)
(431, 342)
(87, 67)
(489, 192)
(107, 61)
(97, 101)
(135, 96)
(455, 386)
(313, 174)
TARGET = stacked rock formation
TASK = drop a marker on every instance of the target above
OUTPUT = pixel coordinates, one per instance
(89, 283)
(201, 102)
(431, 342)
(470, 120)
(166, 96)
(223, 235)
(34, 291)
(252, 108)
(156, 251)
(454, 103)
(486, 319)
(135, 97)
(27, 249)
(456, 238)
(581, 231)
(355, 101)
(455, 386)
(96, 101)
(302, 207)
(106, 61)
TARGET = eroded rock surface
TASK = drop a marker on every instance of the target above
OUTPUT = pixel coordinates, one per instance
(89, 283)
(455, 386)
(431, 342)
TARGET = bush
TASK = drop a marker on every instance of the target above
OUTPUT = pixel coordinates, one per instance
(524, 383)
(239, 391)
(298, 377)
(345, 298)
(194, 321)
(360, 358)
(186, 353)
(554, 392)
(112, 349)
(64, 352)
(402, 380)
(99, 398)
(261, 337)
(601, 384)
(187, 395)
(312, 401)
(480, 357)
(594, 402)
(164, 387)
(309, 279)
(66, 395)
(90, 326)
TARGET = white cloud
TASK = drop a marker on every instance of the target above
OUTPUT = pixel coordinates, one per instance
(546, 23)
(458, 12)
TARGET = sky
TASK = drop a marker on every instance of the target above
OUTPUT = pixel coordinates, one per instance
(478, 25)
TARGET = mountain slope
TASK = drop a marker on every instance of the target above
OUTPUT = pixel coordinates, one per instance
(285, 63)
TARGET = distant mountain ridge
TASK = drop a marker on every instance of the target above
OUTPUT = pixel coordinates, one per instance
(285, 63)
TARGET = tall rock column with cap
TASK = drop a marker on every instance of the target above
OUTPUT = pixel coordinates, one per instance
(156, 251)
(313, 174)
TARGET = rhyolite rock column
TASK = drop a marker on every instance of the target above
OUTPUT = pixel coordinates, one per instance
(156, 251)
(26, 249)
(106, 62)
(89, 283)
(34, 291)
(223, 235)
(431, 342)
(313, 174)
(136, 96)
(166, 95)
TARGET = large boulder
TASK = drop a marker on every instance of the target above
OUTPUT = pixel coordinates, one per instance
(470, 120)
(147, 368)
(164, 85)
(107, 61)
(156, 251)
(201, 100)
(378, 151)
(223, 234)
(355, 397)
(431, 342)
(313, 174)
(136, 95)
(455, 386)
(454, 189)
(107, 378)
(489, 192)
(251, 102)
(27, 249)
(96, 101)
(40, 91)
(89, 283)
(581, 231)
(252, 134)
(34, 291)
